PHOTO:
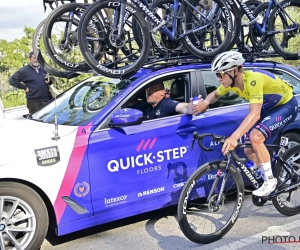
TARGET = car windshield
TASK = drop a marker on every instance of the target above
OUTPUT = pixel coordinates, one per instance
(78, 105)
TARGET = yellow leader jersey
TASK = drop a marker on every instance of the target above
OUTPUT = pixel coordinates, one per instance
(261, 86)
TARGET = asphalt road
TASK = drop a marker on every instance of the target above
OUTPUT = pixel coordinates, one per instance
(159, 230)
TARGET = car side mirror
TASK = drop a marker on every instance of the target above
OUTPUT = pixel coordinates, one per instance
(126, 117)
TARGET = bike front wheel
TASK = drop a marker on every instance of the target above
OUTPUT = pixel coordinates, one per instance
(288, 203)
(200, 218)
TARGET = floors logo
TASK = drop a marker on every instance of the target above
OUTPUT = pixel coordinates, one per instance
(115, 201)
(145, 163)
(151, 191)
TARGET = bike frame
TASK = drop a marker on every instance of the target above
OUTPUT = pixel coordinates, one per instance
(160, 23)
(240, 165)
(263, 29)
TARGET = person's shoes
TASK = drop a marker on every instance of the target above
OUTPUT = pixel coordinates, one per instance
(266, 188)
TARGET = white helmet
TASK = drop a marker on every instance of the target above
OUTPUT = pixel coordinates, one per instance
(227, 60)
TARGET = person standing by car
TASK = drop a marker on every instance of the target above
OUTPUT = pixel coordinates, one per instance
(162, 106)
(272, 107)
(35, 82)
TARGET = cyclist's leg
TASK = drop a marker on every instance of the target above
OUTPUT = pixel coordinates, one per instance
(268, 126)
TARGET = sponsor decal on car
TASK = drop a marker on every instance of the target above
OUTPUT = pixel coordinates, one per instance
(141, 161)
(81, 189)
(178, 185)
(151, 191)
(47, 156)
(115, 200)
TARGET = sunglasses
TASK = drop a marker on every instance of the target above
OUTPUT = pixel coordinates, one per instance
(221, 74)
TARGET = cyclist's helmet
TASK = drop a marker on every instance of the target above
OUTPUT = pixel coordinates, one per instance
(227, 60)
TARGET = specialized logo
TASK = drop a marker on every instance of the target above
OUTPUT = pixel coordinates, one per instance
(141, 161)
(47, 156)
(81, 189)
(115, 201)
(151, 191)
(253, 83)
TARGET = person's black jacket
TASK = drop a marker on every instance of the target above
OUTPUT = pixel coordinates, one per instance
(38, 89)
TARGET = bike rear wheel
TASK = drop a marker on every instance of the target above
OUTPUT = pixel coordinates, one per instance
(288, 203)
(285, 42)
(216, 37)
(119, 55)
(61, 37)
(199, 219)
(42, 56)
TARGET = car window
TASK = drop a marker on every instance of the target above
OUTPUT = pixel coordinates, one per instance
(211, 84)
(175, 88)
(80, 104)
(288, 78)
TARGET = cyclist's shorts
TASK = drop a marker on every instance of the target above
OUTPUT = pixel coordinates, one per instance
(273, 121)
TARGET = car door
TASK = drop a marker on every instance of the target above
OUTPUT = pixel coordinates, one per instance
(137, 164)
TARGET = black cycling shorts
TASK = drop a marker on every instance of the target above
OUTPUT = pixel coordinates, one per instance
(273, 121)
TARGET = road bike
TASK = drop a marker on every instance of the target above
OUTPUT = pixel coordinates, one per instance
(212, 198)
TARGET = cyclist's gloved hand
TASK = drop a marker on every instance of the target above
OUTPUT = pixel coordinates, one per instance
(199, 107)
(229, 145)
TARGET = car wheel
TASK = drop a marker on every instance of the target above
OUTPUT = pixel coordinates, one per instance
(24, 217)
(294, 139)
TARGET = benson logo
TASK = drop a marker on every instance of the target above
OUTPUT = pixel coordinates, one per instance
(151, 191)
(146, 159)
(47, 156)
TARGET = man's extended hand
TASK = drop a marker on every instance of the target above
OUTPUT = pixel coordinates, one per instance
(201, 106)
(27, 90)
(229, 145)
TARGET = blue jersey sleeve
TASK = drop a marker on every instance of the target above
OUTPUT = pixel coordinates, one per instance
(170, 106)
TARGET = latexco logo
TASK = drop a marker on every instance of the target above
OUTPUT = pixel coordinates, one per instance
(151, 191)
(146, 159)
(115, 201)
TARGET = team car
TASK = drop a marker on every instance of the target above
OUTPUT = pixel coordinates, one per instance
(86, 159)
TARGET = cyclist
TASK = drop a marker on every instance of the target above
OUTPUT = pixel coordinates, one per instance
(272, 107)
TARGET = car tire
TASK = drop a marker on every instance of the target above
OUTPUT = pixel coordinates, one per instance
(22, 208)
(294, 138)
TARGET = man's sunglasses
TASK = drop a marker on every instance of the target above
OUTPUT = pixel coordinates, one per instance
(221, 74)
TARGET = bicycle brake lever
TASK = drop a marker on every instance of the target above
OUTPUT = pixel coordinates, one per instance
(193, 142)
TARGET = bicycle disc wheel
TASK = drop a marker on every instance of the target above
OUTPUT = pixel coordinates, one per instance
(200, 220)
(288, 203)
(119, 54)
(43, 58)
(286, 41)
(211, 30)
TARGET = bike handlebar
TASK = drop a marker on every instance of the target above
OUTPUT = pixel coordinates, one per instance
(221, 139)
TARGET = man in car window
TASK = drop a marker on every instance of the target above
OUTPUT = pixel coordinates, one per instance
(162, 106)
(135, 103)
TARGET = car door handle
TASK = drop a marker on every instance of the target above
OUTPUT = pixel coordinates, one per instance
(185, 131)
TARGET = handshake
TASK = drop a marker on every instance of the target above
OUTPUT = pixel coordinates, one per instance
(199, 105)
